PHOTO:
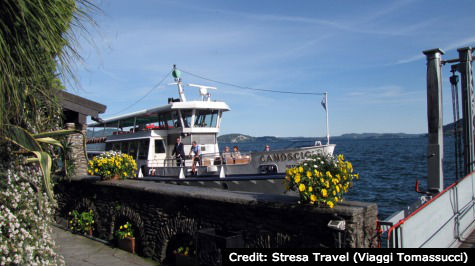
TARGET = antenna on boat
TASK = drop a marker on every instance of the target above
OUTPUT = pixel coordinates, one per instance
(177, 75)
(325, 106)
(205, 95)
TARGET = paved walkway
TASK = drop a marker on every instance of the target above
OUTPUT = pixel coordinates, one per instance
(80, 251)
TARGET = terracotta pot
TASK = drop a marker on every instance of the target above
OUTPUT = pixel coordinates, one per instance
(127, 244)
(115, 177)
(90, 232)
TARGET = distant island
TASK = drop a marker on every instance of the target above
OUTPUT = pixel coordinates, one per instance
(239, 138)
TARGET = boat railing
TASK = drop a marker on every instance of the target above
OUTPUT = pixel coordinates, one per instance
(207, 159)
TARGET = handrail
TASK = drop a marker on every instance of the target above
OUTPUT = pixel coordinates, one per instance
(209, 156)
(402, 221)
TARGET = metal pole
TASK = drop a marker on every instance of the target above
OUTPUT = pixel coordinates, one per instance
(326, 110)
(435, 151)
(465, 69)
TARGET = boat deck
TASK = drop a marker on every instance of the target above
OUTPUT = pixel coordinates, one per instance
(469, 242)
(228, 178)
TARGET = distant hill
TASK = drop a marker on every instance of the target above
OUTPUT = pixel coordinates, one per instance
(449, 129)
(237, 138)
(100, 132)
(377, 136)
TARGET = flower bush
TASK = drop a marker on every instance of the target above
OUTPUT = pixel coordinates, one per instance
(113, 163)
(125, 231)
(81, 222)
(321, 179)
(26, 213)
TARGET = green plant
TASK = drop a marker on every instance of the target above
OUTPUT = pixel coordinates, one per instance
(113, 163)
(31, 144)
(81, 222)
(186, 250)
(125, 231)
(321, 179)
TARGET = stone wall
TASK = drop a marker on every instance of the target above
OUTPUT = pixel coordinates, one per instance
(161, 213)
(77, 149)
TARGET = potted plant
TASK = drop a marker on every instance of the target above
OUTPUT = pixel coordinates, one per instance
(81, 222)
(125, 238)
(185, 255)
(321, 179)
(113, 165)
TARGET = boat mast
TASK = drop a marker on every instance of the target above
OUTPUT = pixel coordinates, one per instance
(325, 105)
(177, 74)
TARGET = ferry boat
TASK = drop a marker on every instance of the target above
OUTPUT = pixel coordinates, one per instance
(150, 135)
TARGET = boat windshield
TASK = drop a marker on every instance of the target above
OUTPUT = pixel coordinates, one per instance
(206, 118)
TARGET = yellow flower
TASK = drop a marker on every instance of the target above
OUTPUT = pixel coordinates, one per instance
(121, 227)
(302, 187)
(297, 178)
(125, 174)
(288, 172)
(336, 199)
(337, 189)
(313, 198)
(309, 174)
(96, 170)
(125, 226)
(334, 193)
(330, 204)
(322, 180)
(329, 174)
(324, 193)
(310, 189)
(301, 169)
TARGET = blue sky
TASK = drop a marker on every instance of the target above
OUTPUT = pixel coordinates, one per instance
(366, 54)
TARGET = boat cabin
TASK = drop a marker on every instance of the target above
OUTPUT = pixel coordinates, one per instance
(149, 135)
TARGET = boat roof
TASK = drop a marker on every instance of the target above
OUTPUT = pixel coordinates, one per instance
(150, 115)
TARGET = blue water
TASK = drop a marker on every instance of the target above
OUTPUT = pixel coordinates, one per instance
(388, 168)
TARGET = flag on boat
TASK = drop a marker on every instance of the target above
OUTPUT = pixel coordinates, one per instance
(324, 102)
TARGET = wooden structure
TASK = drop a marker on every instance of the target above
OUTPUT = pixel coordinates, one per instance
(75, 112)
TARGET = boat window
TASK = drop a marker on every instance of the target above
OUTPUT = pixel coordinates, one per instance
(171, 119)
(143, 149)
(206, 118)
(124, 147)
(159, 146)
(116, 146)
(133, 149)
(186, 114)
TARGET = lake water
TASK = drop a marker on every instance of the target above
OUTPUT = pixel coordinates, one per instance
(388, 168)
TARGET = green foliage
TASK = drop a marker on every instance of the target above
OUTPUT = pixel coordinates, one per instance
(81, 222)
(30, 143)
(186, 250)
(124, 231)
(34, 37)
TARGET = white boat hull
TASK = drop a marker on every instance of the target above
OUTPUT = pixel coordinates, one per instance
(258, 163)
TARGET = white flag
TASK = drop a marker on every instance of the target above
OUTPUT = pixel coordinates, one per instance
(324, 102)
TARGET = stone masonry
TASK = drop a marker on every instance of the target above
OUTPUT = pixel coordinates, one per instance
(162, 214)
